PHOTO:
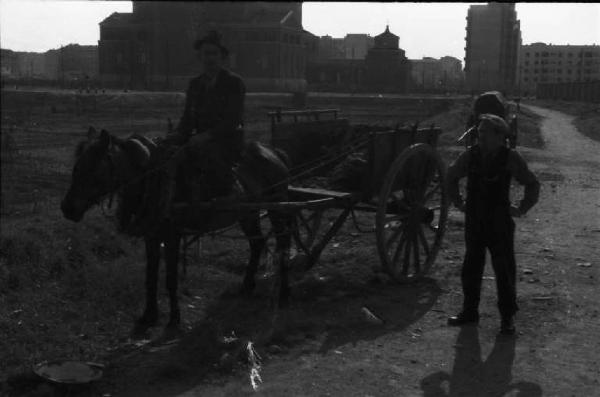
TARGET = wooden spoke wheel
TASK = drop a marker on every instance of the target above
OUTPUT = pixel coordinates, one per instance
(306, 229)
(412, 213)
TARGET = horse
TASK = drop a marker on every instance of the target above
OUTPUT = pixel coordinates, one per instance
(106, 165)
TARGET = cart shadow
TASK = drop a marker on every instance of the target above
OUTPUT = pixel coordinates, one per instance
(472, 376)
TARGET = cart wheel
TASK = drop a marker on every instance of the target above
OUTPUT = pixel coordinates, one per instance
(306, 228)
(412, 213)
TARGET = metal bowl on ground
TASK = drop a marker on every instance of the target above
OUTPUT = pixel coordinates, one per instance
(69, 372)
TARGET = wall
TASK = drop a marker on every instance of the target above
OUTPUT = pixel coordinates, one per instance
(577, 91)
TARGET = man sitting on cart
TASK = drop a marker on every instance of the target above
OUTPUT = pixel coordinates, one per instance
(489, 166)
(209, 137)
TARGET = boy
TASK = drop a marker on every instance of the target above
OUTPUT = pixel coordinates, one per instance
(489, 166)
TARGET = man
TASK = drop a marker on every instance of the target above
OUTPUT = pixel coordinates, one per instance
(209, 138)
(489, 166)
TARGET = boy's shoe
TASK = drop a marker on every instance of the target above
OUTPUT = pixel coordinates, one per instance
(463, 318)
(507, 326)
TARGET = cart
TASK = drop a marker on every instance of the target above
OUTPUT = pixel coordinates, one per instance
(403, 186)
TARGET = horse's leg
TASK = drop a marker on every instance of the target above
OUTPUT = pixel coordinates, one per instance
(150, 316)
(251, 228)
(172, 243)
(282, 223)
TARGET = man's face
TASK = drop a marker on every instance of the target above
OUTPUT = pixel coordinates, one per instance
(211, 57)
(489, 139)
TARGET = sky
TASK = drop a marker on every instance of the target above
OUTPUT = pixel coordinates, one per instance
(425, 29)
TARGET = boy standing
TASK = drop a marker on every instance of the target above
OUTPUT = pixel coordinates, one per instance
(489, 166)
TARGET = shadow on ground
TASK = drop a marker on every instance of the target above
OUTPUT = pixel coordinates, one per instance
(325, 313)
(472, 376)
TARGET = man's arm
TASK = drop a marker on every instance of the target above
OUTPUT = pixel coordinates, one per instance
(186, 123)
(234, 110)
(521, 172)
(456, 171)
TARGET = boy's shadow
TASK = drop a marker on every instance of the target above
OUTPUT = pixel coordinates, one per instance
(471, 376)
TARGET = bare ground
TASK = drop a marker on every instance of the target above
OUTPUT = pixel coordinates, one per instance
(321, 345)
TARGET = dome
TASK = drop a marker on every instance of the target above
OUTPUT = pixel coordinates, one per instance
(387, 39)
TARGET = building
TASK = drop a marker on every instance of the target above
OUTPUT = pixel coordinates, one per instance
(384, 68)
(541, 63)
(492, 47)
(387, 67)
(352, 46)
(152, 47)
(431, 74)
(331, 48)
(357, 45)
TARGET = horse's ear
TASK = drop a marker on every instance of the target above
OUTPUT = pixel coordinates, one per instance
(92, 134)
(104, 138)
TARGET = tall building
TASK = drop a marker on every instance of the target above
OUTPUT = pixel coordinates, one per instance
(152, 47)
(492, 47)
(542, 63)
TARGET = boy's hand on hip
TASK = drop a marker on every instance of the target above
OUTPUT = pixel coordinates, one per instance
(515, 212)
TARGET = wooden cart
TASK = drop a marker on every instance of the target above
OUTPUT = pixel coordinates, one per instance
(402, 184)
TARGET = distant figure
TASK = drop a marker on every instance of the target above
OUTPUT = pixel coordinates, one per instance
(489, 166)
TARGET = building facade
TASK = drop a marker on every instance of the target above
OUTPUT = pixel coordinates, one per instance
(541, 63)
(152, 47)
(492, 47)
(383, 69)
(387, 67)
(440, 75)
(357, 45)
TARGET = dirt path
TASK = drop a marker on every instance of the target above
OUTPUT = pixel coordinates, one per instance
(556, 351)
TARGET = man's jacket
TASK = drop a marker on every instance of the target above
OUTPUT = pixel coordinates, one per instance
(214, 107)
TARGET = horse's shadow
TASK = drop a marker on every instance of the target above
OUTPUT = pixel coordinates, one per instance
(471, 376)
(325, 312)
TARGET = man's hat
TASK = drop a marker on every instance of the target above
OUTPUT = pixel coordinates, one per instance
(212, 37)
(497, 123)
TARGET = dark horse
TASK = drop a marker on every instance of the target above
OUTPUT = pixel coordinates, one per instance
(107, 165)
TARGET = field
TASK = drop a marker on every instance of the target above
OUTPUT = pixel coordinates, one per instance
(72, 290)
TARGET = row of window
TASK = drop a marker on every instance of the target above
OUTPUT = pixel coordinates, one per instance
(544, 79)
(568, 71)
(587, 54)
(586, 63)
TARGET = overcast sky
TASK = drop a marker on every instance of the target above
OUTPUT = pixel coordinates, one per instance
(425, 29)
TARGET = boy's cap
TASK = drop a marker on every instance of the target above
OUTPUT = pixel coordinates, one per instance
(497, 123)
(212, 37)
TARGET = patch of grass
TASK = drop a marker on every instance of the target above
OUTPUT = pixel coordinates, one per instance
(453, 121)
(66, 290)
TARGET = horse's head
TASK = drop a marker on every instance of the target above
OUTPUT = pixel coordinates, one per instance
(92, 177)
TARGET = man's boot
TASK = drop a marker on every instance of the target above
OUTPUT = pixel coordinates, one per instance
(464, 318)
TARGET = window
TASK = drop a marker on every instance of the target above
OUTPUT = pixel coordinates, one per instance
(525, 79)
(535, 70)
(535, 79)
(537, 62)
(526, 62)
(527, 54)
(537, 54)
(560, 54)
